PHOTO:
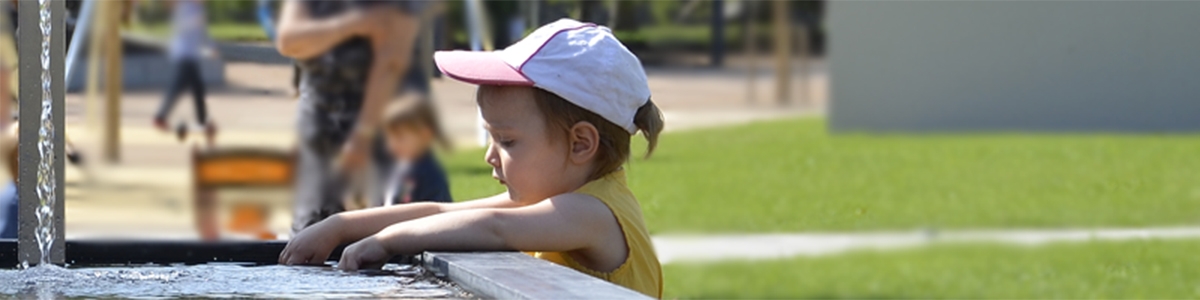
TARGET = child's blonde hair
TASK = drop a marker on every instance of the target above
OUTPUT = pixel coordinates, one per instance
(561, 114)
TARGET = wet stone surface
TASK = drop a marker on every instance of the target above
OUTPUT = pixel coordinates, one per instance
(225, 281)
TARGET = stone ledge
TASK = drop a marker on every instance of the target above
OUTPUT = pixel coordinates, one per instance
(515, 275)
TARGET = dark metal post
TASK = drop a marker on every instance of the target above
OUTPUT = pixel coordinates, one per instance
(589, 11)
(718, 33)
(29, 52)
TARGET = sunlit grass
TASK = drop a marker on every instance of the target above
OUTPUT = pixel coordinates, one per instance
(1113, 270)
(793, 176)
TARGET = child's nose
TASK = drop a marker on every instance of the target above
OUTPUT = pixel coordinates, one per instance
(491, 156)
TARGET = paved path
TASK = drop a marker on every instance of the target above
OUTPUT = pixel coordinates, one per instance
(709, 248)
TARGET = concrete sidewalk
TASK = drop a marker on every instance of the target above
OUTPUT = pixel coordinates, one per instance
(712, 248)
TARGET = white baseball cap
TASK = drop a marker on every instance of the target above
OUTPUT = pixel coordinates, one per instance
(580, 62)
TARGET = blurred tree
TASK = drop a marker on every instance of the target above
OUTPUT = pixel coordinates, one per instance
(592, 11)
(627, 17)
(663, 10)
(231, 11)
(500, 13)
(152, 12)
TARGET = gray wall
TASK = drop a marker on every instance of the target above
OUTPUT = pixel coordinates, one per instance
(1014, 65)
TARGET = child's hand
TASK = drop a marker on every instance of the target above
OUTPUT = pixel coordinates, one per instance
(312, 245)
(368, 253)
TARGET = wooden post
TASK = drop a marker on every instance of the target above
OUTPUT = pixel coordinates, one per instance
(751, 41)
(783, 44)
(92, 86)
(112, 81)
(802, 53)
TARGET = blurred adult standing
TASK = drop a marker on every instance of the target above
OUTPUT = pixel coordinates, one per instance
(352, 55)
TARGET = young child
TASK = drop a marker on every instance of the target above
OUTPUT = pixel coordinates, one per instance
(561, 107)
(411, 127)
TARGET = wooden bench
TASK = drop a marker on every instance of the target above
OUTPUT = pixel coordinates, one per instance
(243, 168)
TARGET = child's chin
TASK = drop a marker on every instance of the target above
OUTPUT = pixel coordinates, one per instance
(517, 196)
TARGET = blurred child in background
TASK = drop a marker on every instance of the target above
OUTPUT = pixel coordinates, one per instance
(412, 129)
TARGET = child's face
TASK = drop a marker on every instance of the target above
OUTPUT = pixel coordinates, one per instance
(524, 157)
(409, 142)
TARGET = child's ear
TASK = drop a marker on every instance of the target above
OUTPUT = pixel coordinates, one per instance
(584, 141)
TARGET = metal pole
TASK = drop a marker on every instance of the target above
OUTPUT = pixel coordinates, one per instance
(29, 51)
(82, 31)
(480, 40)
(535, 13)
(718, 33)
(477, 23)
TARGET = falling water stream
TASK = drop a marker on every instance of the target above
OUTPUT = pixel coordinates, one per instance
(45, 168)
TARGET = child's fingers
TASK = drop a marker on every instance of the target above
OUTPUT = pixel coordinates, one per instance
(296, 258)
(286, 256)
(348, 262)
(283, 256)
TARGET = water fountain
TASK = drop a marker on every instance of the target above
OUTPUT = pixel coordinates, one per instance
(211, 269)
(44, 133)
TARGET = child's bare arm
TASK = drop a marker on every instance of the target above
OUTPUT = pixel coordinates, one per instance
(301, 36)
(313, 244)
(563, 223)
(370, 221)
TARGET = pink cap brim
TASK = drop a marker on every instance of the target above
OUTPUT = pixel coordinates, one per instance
(484, 68)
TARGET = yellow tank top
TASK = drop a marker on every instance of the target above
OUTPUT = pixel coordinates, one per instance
(640, 271)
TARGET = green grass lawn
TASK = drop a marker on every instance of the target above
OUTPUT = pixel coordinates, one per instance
(792, 176)
(228, 32)
(1137, 269)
